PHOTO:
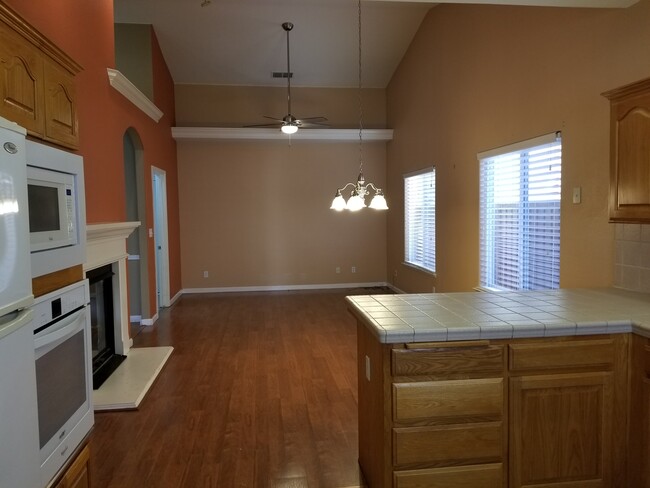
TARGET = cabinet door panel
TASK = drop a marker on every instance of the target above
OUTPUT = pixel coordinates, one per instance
(633, 155)
(471, 398)
(475, 476)
(60, 107)
(21, 75)
(448, 444)
(561, 431)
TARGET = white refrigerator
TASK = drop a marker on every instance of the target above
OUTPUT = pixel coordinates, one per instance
(19, 444)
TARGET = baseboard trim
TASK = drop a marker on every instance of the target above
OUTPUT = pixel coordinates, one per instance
(150, 321)
(175, 297)
(328, 286)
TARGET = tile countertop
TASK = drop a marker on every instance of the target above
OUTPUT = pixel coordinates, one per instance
(438, 317)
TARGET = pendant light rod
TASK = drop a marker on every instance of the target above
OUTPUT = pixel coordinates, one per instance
(360, 189)
(288, 26)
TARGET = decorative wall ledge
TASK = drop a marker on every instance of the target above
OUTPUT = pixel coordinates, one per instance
(122, 84)
(234, 133)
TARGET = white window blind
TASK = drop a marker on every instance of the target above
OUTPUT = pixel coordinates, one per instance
(420, 219)
(520, 215)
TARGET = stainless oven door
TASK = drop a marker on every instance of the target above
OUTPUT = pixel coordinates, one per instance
(63, 382)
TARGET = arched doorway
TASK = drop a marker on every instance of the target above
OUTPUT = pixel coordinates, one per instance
(136, 244)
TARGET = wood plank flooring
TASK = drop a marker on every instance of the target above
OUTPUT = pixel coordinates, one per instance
(260, 391)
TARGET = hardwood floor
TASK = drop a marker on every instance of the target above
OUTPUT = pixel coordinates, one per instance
(260, 391)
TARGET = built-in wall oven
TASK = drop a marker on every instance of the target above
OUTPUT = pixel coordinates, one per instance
(63, 374)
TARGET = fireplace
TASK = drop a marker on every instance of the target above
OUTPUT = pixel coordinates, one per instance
(105, 269)
(102, 324)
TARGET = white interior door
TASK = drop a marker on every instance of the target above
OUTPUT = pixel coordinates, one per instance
(159, 179)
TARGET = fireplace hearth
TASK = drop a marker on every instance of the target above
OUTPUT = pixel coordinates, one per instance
(102, 319)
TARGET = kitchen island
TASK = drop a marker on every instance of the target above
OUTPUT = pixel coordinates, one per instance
(544, 388)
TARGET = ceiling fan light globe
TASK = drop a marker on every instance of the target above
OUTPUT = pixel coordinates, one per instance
(289, 128)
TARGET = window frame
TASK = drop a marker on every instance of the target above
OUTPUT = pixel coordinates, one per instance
(428, 255)
(532, 220)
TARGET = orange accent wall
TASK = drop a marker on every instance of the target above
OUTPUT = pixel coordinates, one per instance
(84, 30)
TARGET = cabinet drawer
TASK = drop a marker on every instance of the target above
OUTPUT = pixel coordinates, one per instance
(447, 358)
(456, 398)
(449, 444)
(475, 476)
(562, 355)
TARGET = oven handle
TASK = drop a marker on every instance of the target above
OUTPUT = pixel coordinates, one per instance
(61, 331)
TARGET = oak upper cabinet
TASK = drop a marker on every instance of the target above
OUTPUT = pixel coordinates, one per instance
(21, 82)
(36, 82)
(629, 195)
(564, 400)
(60, 106)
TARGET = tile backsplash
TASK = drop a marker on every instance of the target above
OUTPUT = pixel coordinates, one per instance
(632, 260)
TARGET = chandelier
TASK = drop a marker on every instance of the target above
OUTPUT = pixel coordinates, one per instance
(360, 189)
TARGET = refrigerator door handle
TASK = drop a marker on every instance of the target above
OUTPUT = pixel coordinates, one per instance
(14, 321)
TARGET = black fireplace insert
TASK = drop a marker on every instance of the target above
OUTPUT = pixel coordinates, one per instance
(102, 324)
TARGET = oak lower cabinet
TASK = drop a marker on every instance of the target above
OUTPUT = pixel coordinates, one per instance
(567, 412)
(561, 430)
(78, 474)
(639, 440)
(542, 413)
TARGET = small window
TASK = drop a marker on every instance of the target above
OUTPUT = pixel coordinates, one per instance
(520, 215)
(420, 219)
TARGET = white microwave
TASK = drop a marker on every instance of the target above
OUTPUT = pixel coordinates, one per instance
(56, 208)
(52, 209)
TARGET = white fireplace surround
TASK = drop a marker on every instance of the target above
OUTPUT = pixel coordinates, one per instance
(106, 244)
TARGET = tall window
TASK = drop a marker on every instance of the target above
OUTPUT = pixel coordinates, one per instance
(520, 215)
(420, 219)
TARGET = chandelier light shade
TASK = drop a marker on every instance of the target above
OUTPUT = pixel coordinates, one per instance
(360, 189)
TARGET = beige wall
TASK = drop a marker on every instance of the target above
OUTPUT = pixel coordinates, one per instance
(235, 106)
(480, 77)
(133, 55)
(256, 213)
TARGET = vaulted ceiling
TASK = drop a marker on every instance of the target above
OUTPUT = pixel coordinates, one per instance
(241, 42)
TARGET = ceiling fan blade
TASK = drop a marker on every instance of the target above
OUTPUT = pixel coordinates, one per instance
(279, 121)
(313, 119)
(312, 124)
(278, 124)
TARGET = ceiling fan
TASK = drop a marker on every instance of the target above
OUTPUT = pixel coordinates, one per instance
(290, 124)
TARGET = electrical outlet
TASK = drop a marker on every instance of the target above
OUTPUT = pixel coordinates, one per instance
(205, 274)
(338, 270)
(354, 269)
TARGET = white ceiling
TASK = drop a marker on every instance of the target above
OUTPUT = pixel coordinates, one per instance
(241, 42)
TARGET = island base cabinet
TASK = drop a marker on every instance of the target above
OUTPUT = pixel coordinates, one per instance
(477, 476)
(561, 430)
(518, 413)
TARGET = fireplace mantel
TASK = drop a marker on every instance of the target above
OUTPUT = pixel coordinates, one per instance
(106, 244)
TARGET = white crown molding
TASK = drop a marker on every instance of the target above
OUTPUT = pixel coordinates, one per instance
(122, 84)
(233, 133)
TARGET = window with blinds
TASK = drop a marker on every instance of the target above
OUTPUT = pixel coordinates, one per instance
(420, 219)
(520, 188)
